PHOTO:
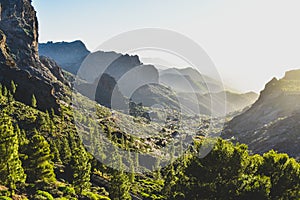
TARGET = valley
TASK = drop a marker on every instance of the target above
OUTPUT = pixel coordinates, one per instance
(76, 124)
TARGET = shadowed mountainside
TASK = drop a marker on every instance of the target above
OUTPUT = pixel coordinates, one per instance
(19, 59)
(273, 120)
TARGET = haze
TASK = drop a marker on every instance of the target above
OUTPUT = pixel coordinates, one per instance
(249, 41)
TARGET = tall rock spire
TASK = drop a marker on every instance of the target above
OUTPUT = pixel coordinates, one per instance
(19, 24)
(19, 58)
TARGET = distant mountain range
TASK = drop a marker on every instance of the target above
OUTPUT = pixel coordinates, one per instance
(189, 80)
(169, 87)
(273, 121)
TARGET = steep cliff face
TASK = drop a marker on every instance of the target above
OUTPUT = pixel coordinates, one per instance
(19, 24)
(5, 57)
(273, 120)
(19, 58)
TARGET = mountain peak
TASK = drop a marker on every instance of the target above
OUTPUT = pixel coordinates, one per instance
(74, 44)
(269, 123)
(69, 55)
(292, 75)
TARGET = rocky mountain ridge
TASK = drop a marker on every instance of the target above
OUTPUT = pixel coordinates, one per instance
(68, 55)
(272, 122)
(19, 60)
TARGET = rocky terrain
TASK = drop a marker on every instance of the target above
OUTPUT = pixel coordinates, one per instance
(273, 120)
(69, 55)
(19, 60)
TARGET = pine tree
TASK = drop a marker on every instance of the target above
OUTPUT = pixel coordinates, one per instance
(13, 87)
(64, 150)
(170, 180)
(54, 150)
(119, 186)
(39, 166)
(5, 91)
(131, 168)
(33, 101)
(11, 171)
(1, 93)
(81, 169)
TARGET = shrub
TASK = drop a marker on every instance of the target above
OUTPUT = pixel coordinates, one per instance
(42, 195)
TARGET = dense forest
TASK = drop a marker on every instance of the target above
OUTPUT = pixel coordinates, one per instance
(42, 157)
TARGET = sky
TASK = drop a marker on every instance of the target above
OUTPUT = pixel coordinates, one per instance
(249, 41)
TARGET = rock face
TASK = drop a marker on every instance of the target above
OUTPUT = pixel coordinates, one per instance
(273, 120)
(54, 68)
(69, 55)
(19, 24)
(112, 76)
(19, 58)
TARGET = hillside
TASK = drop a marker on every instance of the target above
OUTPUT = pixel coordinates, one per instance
(272, 122)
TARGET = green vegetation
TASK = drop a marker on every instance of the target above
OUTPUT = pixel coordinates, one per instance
(229, 172)
(42, 157)
(33, 101)
(11, 169)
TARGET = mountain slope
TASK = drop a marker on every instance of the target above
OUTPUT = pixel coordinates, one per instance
(273, 120)
(19, 60)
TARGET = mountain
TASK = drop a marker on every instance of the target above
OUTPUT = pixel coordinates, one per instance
(106, 74)
(69, 55)
(272, 122)
(102, 71)
(19, 58)
(189, 80)
(234, 102)
(156, 95)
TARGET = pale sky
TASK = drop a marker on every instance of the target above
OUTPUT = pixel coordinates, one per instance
(250, 41)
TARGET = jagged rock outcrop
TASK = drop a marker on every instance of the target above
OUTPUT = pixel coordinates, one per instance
(19, 24)
(19, 58)
(54, 68)
(5, 57)
(110, 74)
(69, 55)
(273, 120)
